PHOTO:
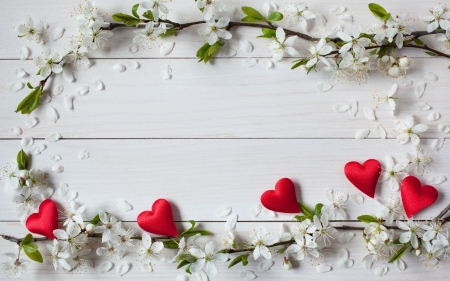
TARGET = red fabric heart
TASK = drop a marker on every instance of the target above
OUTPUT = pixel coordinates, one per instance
(45, 221)
(159, 220)
(416, 197)
(283, 199)
(364, 177)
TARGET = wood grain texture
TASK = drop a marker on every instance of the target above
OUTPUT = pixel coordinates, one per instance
(198, 176)
(221, 100)
(307, 270)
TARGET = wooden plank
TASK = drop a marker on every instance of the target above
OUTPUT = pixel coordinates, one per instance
(188, 42)
(167, 271)
(222, 100)
(198, 176)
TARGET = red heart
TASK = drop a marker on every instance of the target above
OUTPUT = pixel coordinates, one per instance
(416, 197)
(365, 176)
(45, 221)
(159, 220)
(283, 199)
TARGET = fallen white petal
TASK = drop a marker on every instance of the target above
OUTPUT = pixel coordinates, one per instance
(123, 268)
(52, 114)
(266, 63)
(444, 129)
(323, 268)
(381, 271)
(31, 122)
(83, 90)
(166, 48)
(437, 144)
(369, 113)
(124, 205)
(341, 107)
(231, 222)
(68, 102)
(45, 99)
(223, 211)
(15, 131)
(324, 86)
(346, 237)
(226, 53)
(133, 64)
(119, 67)
(26, 142)
(98, 85)
(24, 53)
(47, 192)
(104, 267)
(337, 10)
(343, 254)
(249, 62)
(265, 265)
(83, 154)
(255, 210)
(346, 17)
(53, 137)
(431, 76)
(247, 275)
(68, 75)
(182, 277)
(436, 180)
(362, 134)
(134, 48)
(15, 87)
(65, 194)
(320, 20)
(420, 89)
(37, 149)
(353, 107)
(345, 263)
(422, 106)
(57, 168)
(400, 264)
(57, 90)
(166, 72)
(403, 81)
(20, 72)
(433, 116)
(357, 198)
(56, 34)
(268, 213)
(245, 46)
(55, 157)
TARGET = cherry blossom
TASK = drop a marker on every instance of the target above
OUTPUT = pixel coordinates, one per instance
(78, 258)
(435, 230)
(184, 246)
(156, 7)
(437, 19)
(398, 27)
(322, 231)
(205, 260)
(9, 174)
(282, 45)
(394, 173)
(31, 31)
(215, 30)
(304, 246)
(58, 255)
(418, 161)
(150, 251)
(408, 130)
(15, 266)
(431, 253)
(391, 210)
(352, 41)
(49, 64)
(412, 232)
(318, 52)
(149, 34)
(74, 213)
(109, 229)
(261, 238)
(298, 14)
(71, 238)
(337, 206)
(95, 36)
(125, 242)
(389, 98)
(301, 229)
(210, 7)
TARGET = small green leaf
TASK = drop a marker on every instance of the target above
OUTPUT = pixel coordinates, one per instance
(318, 209)
(275, 16)
(431, 54)
(195, 232)
(244, 260)
(237, 260)
(300, 218)
(300, 62)
(182, 263)
(22, 162)
(190, 228)
(341, 43)
(379, 11)
(418, 41)
(29, 85)
(127, 19)
(31, 250)
(134, 11)
(382, 51)
(250, 19)
(306, 211)
(170, 244)
(367, 219)
(186, 257)
(148, 15)
(282, 250)
(28, 239)
(267, 33)
(397, 241)
(188, 269)
(39, 71)
(365, 35)
(30, 102)
(400, 252)
(169, 32)
(249, 11)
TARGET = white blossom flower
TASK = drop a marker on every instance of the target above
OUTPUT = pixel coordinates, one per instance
(58, 255)
(88, 15)
(352, 41)
(215, 30)
(299, 14)
(156, 6)
(412, 232)
(184, 246)
(282, 45)
(77, 54)
(109, 251)
(125, 242)
(150, 251)
(322, 231)
(301, 229)
(444, 247)
(394, 66)
(431, 253)
(205, 259)
(210, 7)
(71, 238)
(74, 214)
(398, 28)
(78, 258)
(336, 72)
(407, 130)
(28, 201)
(377, 232)
(357, 61)
(394, 173)
(49, 64)
(390, 211)
(149, 34)
(304, 246)
(435, 230)
(15, 266)
(437, 19)
(444, 37)
(389, 98)
(95, 36)
(318, 52)
(9, 174)
(337, 206)
(418, 162)
(229, 241)
(110, 227)
(36, 178)
(31, 31)
(379, 31)
(261, 238)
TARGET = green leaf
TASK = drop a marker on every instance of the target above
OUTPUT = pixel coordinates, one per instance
(300, 62)
(397, 241)
(282, 250)
(306, 211)
(134, 11)
(28, 239)
(29, 85)
(275, 16)
(170, 244)
(244, 260)
(300, 218)
(190, 228)
(96, 220)
(311, 68)
(182, 263)
(249, 11)
(431, 54)
(318, 209)
(188, 269)
(31, 250)
(341, 43)
(148, 15)
(169, 32)
(238, 259)
(127, 19)
(186, 257)
(22, 162)
(39, 71)
(418, 41)
(379, 12)
(195, 232)
(365, 35)
(250, 19)
(268, 33)
(367, 219)
(383, 51)
(30, 102)
(400, 252)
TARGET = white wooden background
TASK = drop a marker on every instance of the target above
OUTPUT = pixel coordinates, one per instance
(213, 135)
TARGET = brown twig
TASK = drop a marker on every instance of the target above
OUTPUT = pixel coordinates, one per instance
(441, 214)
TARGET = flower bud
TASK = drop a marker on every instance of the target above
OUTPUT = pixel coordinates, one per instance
(394, 71)
(287, 264)
(29, 183)
(418, 252)
(90, 228)
(23, 174)
(404, 62)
